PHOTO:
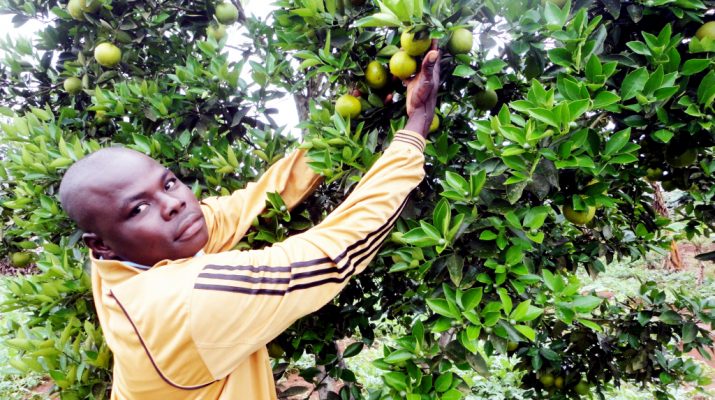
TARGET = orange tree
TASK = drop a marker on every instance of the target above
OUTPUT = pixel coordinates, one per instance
(558, 121)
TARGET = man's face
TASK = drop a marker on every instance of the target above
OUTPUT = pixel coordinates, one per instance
(143, 213)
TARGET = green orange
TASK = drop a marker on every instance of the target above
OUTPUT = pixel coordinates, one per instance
(72, 85)
(376, 75)
(461, 41)
(348, 105)
(414, 47)
(20, 259)
(402, 65)
(582, 388)
(485, 99)
(226, 13)
(707, 30)
(547, 380)
(107, 54)
(579, 217)
(435, 124)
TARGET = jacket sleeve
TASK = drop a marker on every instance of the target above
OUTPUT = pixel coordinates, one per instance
(243, 299)
(229, 217)
(198, 319)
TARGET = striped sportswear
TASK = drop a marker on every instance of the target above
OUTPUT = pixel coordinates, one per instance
(197, 328)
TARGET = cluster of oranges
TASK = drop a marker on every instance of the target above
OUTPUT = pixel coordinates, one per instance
(402, 65)
(109, 55)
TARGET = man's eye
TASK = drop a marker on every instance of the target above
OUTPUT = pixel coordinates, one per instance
(170, 184)
(138, 209)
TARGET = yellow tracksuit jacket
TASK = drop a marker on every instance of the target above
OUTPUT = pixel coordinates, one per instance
(197, 328)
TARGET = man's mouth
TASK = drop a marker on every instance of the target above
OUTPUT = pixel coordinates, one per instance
(189, 227)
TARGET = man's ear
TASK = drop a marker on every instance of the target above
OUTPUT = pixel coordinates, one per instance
(98, 247)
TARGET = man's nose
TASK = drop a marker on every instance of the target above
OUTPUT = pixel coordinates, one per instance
(170, 205)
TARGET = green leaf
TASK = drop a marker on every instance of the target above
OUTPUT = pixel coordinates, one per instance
(398, 356)
(418, 237)
(476, 182)
(452, 394)
(561, 56)
(617, 141)
(553, 282)
(670, 317)
(463, 71)
(379, 20)
(457, 182)
(514, 255)
(443, 382)
(605, 99)
(487, 235)
(590, 324)
(396, 380)
(693, 66)
(662, 135)
(535, 217)
(492, 67)
(353, 349)
(441, 307)
(471, 298)
(585, 304)
(505, 300)
(639, 48)
(520, 310)
(526, 331)
(633, 83)
(623, 159)
(441, 217)
(545, 116)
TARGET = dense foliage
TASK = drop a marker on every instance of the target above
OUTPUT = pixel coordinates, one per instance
(549, 127)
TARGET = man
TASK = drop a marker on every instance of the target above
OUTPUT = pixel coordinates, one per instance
(188, 318)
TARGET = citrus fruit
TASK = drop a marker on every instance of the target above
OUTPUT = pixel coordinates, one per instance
(74, 8)
(707, 30)
(485, 99)
(226, 13)
(579, 217)
(547, 380)
(217, 32)
(376, 75)
(678, 157)
(653, 174)
(511, 346)
(275, 350)
(435, 124)
(20, 259)
(107, 54)
(348, 106)
(402, 65)
(90, 6)
(582, 388)
(461, 41)
(669, 185)
(72, 85)
(414, 47)
(559, 382)
(100, 116)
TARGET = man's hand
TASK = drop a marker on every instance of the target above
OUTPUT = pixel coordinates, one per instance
(422, 93)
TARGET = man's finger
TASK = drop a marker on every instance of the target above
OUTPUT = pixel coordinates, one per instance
(435, 44)
(429, 63)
